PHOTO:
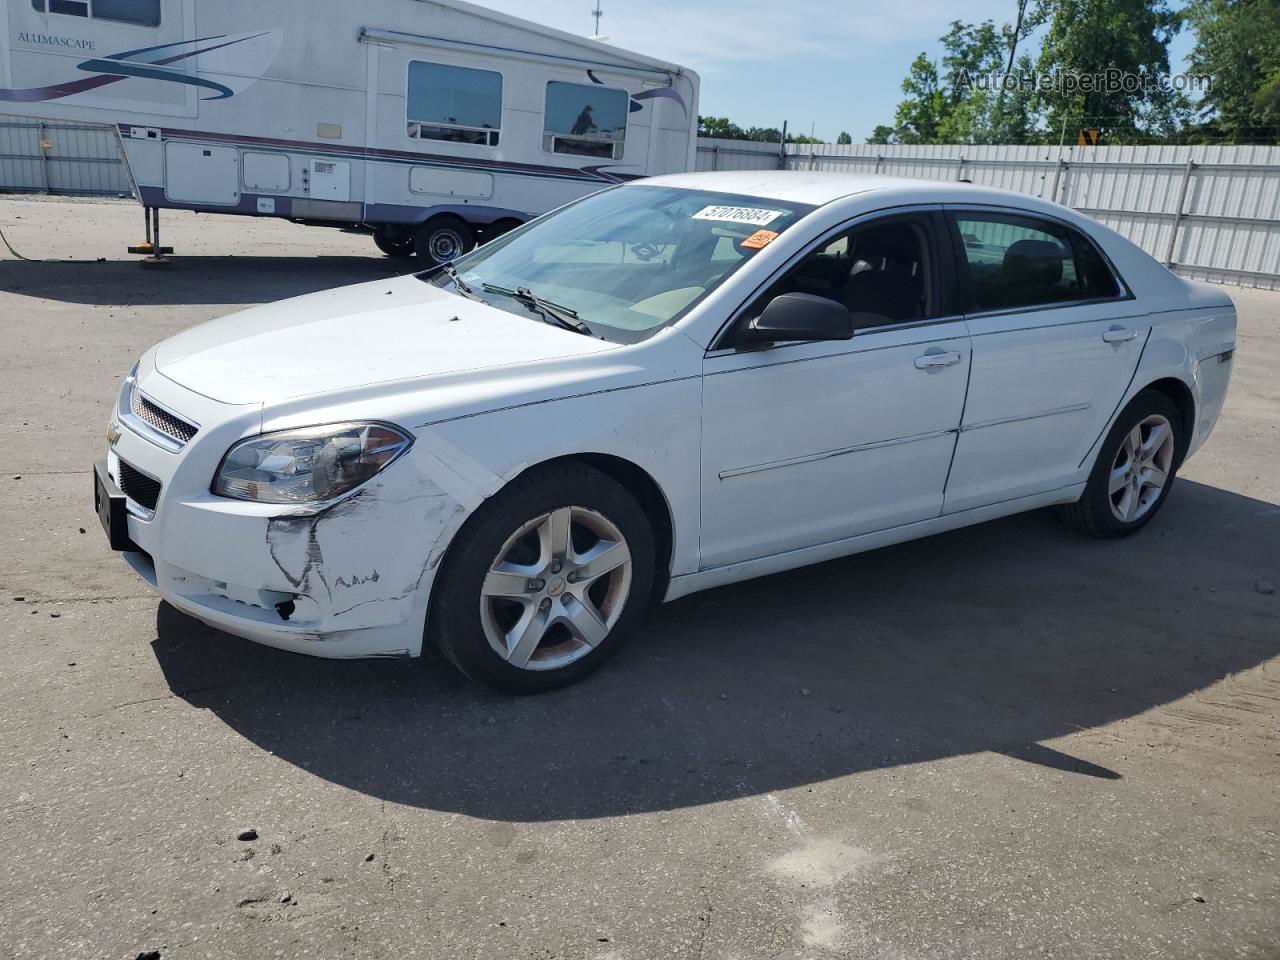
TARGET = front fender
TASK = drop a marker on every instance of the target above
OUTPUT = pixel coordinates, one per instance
(656, 427)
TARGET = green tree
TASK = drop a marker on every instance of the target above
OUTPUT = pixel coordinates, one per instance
(970, 51)
(720, 127)
(1087, 38)
(883, 134)
(920, 115)
(962, 106)
(725, 129)
(1016, 118)
(1238, 45)
(844, 137)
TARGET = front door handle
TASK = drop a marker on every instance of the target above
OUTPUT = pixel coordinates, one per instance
(1119, 335)
(930, 360)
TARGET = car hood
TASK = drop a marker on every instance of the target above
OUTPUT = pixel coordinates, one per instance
(370, 333)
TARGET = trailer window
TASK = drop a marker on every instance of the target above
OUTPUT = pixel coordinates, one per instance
(143, 13)
(457, 104)
(585, 120)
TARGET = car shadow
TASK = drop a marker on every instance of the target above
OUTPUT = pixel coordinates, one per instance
(192, 280)
(996, 638)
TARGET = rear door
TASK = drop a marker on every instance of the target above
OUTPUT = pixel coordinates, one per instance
(1056, 341)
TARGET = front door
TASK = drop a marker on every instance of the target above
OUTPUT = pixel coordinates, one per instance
(809, 443)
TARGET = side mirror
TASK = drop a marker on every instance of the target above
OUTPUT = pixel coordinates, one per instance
(797, 316)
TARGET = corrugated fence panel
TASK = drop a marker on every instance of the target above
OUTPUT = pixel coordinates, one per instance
(1228, 227)
(21, 162)
(737, 155)
(72, 158)
(1211, 212)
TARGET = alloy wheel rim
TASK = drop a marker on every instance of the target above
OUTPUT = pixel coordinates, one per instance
(556, 589)
(1141, 468)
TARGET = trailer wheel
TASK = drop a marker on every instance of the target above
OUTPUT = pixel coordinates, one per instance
(442, 239)
(393, 242)
(498, 228)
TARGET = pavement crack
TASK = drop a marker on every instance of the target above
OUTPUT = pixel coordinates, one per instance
(37, 601)
(53, 473)
(386, 850)
(171, 695)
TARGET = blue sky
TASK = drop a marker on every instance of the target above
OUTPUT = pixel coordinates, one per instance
(832, 65)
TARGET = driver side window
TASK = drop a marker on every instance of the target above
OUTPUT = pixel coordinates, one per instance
(879, 272)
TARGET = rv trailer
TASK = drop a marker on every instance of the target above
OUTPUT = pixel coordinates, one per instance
(434, 123)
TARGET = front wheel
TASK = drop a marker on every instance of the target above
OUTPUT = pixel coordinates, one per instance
(1134, 471)
(544, 581)
(442, 239)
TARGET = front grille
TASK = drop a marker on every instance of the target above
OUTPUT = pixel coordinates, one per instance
(138, 487)
(160, 419)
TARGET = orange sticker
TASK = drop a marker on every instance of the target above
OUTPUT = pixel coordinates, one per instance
(761, 238)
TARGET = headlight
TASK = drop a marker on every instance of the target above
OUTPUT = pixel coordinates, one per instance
(308, 465)
(126, 392)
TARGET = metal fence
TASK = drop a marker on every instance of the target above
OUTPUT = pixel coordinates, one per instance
(70, 158)
(1209, 212)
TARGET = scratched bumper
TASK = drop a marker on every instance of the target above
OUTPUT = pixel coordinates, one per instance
(349, 581)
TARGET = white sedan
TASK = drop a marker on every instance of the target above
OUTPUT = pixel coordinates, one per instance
(664, 387)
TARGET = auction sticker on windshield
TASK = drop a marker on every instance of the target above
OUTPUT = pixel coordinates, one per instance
(759, 240)
(755, 216)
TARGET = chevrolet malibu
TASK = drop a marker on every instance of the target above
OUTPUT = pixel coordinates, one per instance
(664, 387)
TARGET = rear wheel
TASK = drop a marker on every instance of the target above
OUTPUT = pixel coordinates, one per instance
(393, 242)
(1134, 471)
(544, 581)
(442, 239)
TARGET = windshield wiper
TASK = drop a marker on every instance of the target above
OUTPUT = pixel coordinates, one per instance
(458, 283)
(561, 315)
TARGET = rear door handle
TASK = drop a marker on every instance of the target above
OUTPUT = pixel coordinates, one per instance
(1119, 335)
(930, 360)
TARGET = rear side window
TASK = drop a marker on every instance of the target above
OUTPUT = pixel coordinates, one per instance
(143, 13)
(1096, 277)
(1019, 261)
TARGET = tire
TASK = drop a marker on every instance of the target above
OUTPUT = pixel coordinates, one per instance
(1122, 494)
(496, 229)
(480, 605)
(442, 239)
(394, 243)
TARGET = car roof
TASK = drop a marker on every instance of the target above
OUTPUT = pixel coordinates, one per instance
(817, 188)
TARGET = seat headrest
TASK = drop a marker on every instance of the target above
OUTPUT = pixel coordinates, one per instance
(1038, 260)
(896, 242)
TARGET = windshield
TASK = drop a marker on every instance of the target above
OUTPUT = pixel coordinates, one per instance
(626, 261)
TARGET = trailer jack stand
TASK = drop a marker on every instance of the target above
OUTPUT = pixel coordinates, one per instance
(156, 255)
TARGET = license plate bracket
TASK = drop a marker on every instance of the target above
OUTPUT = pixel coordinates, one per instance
(113, 512)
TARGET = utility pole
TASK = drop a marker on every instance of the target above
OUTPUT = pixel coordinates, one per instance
(597, 13)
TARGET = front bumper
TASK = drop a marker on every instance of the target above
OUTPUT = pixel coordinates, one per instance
(349, 581)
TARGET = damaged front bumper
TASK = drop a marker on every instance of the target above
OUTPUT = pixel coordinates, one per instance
(351, 580)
